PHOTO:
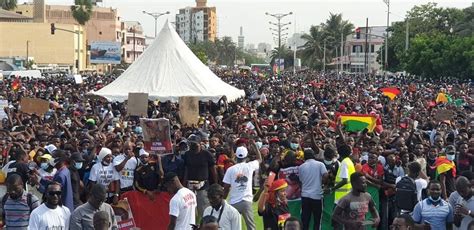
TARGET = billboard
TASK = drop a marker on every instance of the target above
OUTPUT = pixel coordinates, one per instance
(104, 52)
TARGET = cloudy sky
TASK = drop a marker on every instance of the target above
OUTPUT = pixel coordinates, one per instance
(250, 14)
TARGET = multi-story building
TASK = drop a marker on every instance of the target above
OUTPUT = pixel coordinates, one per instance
(354, 58)
(241, 39)
(133, 41)
(296, 40)
(197, 23)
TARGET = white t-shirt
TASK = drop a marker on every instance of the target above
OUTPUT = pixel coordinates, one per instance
(239, 177)
(103, 175)
(43, 217)
(126, 175)
(46, 175)
(230, 218)
(183, 207)
(420, 185)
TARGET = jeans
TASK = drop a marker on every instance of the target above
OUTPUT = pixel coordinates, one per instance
(245, 208)
(311, 207)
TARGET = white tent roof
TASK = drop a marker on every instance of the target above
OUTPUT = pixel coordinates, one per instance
(167, 70)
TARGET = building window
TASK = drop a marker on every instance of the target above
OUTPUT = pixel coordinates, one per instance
(356, 48)
(372, 48)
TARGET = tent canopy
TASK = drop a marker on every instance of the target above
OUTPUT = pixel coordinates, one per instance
(167, 70)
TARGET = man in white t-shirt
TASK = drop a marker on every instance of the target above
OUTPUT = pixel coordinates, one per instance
(238, 182)
(125, 164)
(182, 205)
(414, 170)
(51, 214)
(104, 173)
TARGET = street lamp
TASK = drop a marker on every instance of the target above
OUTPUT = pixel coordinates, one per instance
(387, 2)
(156, 15)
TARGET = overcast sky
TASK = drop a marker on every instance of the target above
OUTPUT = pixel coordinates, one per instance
(250, 14)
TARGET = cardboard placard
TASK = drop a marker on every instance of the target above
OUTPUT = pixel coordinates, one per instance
(124, 218)
(189, 110)
(444, 115)
(78, 79)
(137, 104)
(157, 135)
(34, 106)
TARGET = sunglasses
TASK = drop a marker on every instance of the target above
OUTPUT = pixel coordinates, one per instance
(53, 193)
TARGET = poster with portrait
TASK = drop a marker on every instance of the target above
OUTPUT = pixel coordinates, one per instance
(123, 215)
(157, 135)
(291, 175)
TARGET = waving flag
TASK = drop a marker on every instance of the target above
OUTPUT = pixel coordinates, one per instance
(443, 98)
(442, 165)
(390, 92)
(16, 84)
(358, 122)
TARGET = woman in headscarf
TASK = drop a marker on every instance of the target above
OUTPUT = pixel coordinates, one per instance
(273, 205)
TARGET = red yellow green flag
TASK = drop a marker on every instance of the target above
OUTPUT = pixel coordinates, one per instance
(390, 92)
(442, 165)
(358, 122)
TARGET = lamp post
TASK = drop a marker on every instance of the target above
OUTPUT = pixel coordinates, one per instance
(280, 27)
(156, 15)
(27, 53)
(387, 2)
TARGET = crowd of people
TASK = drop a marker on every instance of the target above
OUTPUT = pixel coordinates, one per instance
(283, 144)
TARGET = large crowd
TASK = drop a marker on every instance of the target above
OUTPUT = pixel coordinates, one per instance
(285, 143)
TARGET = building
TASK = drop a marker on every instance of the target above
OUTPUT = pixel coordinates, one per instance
(354, 57)
(296, 39)
(133, 41)
(197, 23)
(241, 39)
(103, 25)
(8, 16)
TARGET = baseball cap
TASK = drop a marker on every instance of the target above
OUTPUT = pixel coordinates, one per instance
(241, 152)
(142, 152)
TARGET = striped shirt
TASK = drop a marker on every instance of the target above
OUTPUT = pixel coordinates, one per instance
(437, 216)
(17, 212)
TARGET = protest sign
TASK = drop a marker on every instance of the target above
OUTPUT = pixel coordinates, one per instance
(444, 115)
(34, 106)
(123, 215)
(189, 110)
(137, 104)
(157, 135)
(78, 79)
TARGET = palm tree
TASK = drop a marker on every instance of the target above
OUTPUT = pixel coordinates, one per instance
(334, 27)
(312, 52)
(82, 11)
(282, 53)
(226, 51)
(8, 4)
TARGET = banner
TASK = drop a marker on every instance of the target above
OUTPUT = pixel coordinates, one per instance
(137, 104)
(151, 214)
(78, 79)
(157, 135)
(3, 105)
(105, 52)
(189, 110)
(123, 215)
(34, 106)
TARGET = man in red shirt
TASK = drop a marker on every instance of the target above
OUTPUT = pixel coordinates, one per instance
(373, 170)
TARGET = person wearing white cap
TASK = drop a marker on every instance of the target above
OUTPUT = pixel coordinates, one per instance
(148, 175)
(104, 173)
(238, 183)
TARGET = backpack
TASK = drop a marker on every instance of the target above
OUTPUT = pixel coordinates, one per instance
(405, 194)
(29, 201)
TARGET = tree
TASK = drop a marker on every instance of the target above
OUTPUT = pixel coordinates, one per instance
(226, 51)
(82, 11)
(465, 27)
(8, 4)
(424, 19)
(282, 53)
(313, 48)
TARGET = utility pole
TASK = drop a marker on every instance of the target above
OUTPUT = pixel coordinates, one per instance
(280, 27)
(324, 56)
(342, 50)
(78, 32)
(407, 33)
(366, 57)
(386, 34)
(134, 54)
(156, 15)
(27, 53)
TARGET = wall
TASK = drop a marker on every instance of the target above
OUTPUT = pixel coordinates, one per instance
(59, 48)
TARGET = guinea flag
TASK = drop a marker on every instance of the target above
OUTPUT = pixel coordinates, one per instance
(358, 122)
(16, 84)
(390, 92)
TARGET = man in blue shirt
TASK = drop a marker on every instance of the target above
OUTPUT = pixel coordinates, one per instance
(63, 177)
(433, 211)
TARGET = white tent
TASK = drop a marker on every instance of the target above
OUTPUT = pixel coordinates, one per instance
(167, 70)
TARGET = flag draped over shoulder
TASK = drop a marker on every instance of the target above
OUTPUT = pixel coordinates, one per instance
(442, 165)
(443, 98)
(358, 122)
(390, 92)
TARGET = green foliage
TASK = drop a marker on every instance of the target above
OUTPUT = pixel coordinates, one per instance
(329, 32)
(282, 52)
(441, 55)
(8, 4)
(82, 11)
(465, 27)
(200, 53)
